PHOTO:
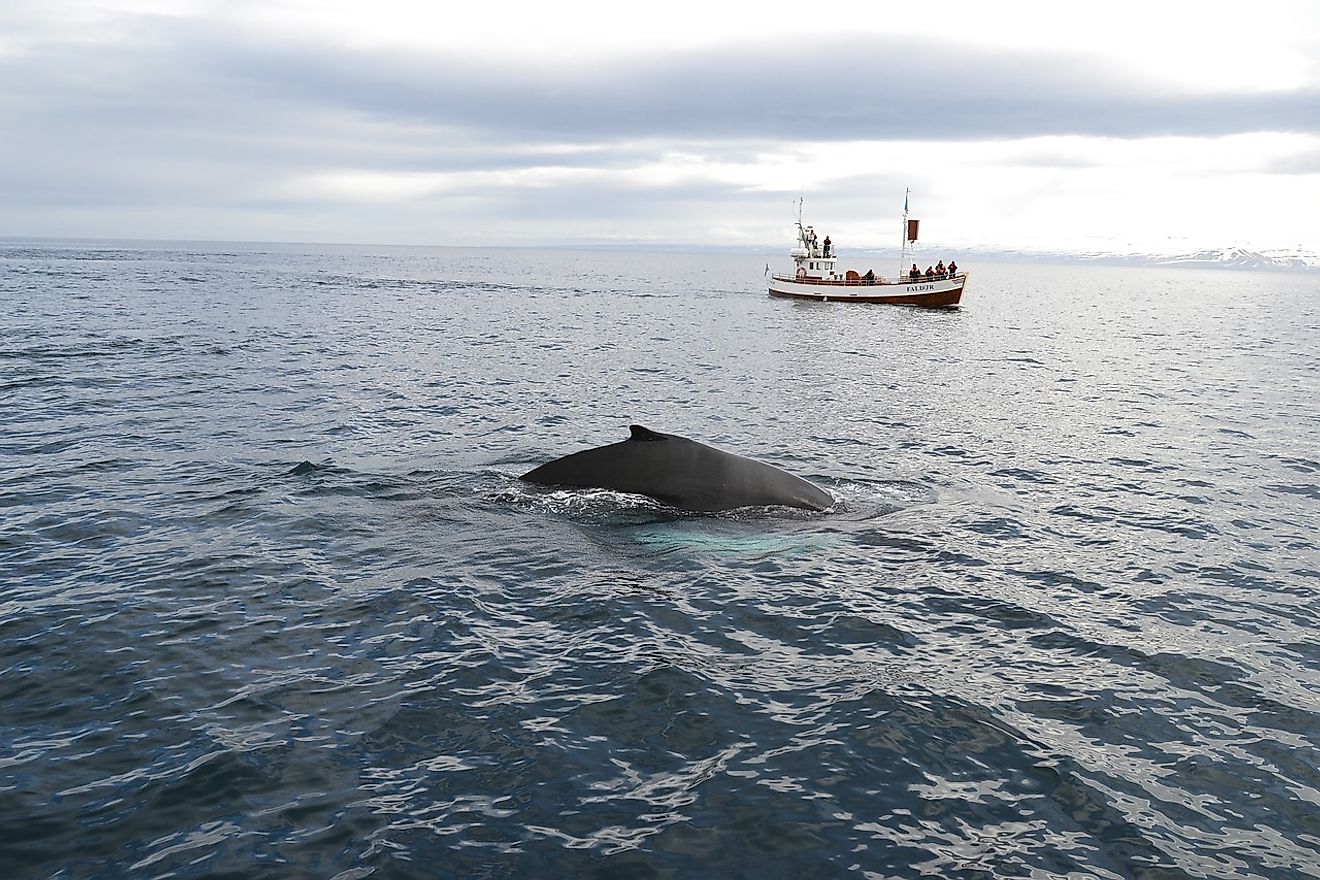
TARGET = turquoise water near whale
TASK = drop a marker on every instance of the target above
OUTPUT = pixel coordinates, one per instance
(273, 603)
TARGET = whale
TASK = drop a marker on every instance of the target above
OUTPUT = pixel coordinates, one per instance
(681, 473)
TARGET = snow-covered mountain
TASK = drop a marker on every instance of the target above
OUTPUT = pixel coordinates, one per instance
(1293, 260)
(1239, 258)
(1287, 260)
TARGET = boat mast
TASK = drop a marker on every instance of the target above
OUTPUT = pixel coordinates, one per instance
(903, 239)
(802, 235)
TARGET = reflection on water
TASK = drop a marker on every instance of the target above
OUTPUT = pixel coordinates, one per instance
(274, 601)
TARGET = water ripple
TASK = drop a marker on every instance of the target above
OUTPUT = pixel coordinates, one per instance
(274, 601)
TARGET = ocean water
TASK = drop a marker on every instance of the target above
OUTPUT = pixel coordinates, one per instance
(274, 604)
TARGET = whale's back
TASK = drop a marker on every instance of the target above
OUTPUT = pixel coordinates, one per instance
(682, 473)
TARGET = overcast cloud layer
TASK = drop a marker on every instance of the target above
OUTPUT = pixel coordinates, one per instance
(121, 121)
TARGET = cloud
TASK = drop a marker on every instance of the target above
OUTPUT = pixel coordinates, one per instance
(808, 91)
(1301, 162)
(210, 77)
(171, 121)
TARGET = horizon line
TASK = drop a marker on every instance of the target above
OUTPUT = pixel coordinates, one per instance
(1309, 260)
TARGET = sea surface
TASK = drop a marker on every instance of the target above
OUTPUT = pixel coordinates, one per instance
(273, 602)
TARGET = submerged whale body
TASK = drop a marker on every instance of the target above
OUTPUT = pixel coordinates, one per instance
(682, 473)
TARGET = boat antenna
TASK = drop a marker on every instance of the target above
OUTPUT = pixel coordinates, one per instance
(903, 236)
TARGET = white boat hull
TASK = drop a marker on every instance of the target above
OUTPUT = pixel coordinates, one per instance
(939, 293)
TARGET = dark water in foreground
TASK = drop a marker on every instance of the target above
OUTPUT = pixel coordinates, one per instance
(273, 604)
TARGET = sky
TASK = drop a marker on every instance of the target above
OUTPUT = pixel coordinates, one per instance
(1151, 127)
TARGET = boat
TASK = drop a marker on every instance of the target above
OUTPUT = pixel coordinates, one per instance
(816, 275)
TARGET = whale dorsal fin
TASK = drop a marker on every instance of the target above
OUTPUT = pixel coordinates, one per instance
(640, 433)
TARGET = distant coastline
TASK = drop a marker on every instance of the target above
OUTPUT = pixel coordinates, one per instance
(1231, 258)
(1234, 258)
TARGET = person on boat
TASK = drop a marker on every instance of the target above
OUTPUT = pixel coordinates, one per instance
(827, 246)
(930, 273)
(915, 273)
(953, 268)
(939, 269)
(869, 276)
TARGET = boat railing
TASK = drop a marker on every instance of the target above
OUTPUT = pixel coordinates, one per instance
(865, 282)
